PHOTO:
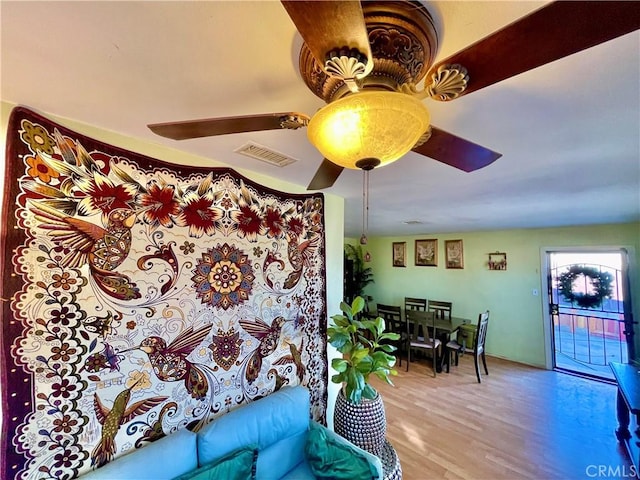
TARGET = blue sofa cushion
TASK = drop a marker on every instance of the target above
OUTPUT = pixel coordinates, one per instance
(277, 459)
(264, 422)
(163, 459)
(332, 459)
(301, 472)
(238, 465)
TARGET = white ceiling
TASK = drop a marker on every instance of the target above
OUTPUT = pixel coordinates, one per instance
(568, 131)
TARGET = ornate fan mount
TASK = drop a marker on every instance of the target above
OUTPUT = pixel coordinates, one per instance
(448, 82)
(348, 65)
(403, 41)
(294, 121)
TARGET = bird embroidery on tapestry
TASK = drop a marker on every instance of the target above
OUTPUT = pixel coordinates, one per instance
(280, 380)
(170, 362)
(269, 337)
(103, 249)
(113, 418)
(296, 358)
(299, 257)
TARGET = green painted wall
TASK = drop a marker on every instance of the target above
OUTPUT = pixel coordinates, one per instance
(516, 330)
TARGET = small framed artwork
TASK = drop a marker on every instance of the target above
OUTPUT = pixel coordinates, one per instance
(399, 254)
(497, 261)
(454, 257)
(427, 253)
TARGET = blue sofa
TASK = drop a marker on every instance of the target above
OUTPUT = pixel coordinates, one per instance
(273, 437)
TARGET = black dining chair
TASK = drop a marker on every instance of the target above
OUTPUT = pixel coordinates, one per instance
(441, 309)
(392, 316)
(474, 345)
(421, 326)
(411, 303)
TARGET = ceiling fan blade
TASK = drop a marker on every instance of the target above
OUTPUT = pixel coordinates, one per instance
(224, 125)
(554, 31)
(457, 152)
(331, 25)
(325, 176)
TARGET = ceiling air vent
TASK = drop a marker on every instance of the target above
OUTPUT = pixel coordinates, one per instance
(265, 154)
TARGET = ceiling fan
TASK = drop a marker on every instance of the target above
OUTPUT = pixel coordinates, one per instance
(367, 59)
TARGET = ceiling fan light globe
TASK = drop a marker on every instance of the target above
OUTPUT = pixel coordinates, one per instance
(368, 124)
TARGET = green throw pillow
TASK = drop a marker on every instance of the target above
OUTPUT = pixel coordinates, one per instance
(334, 460)
(237, 465)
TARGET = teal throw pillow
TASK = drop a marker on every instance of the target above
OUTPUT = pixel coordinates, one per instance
(333, 460)
(237, 465)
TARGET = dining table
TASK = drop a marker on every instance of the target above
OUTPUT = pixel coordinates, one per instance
(444, 328)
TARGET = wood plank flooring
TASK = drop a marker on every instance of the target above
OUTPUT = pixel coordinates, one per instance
(519, 423)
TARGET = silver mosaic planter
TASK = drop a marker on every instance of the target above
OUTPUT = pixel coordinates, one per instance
(364, 424)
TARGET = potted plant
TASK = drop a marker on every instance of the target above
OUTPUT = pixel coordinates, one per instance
(359, 413)
(357, 276)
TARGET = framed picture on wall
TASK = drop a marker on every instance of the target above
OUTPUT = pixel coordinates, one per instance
(453, 254)
(427, 253)
(399, 254)
(497, 261)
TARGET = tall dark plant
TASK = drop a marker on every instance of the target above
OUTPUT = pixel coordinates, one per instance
(360, 276)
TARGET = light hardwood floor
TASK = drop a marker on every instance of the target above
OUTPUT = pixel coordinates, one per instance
(519, 423)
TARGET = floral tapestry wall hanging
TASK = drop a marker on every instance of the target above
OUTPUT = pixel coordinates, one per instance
(175, 293)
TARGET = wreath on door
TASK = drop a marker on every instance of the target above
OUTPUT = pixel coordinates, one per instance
(601, 284)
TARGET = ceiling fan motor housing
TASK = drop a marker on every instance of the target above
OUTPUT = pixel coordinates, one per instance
(404, 43)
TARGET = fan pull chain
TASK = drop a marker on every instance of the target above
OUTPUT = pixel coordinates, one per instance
(365, 207)
(366, 225)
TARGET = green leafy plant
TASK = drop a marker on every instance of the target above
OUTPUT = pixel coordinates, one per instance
(362, 343)
(359, 276)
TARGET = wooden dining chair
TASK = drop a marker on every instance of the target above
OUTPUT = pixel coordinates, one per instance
(441, 309)
(415, 303)
(421, 326)
(459, 347)
(392, 316)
